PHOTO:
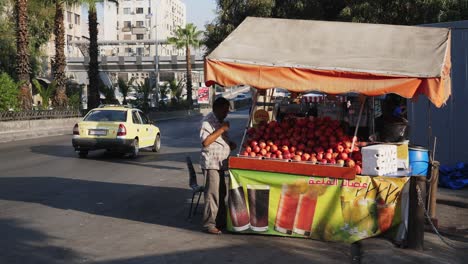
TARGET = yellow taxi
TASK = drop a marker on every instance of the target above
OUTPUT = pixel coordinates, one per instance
(115, 128)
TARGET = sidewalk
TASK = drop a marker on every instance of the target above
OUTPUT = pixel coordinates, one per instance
(163, 115)
(452, 215)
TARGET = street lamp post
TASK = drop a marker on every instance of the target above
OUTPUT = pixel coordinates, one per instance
(156, 57)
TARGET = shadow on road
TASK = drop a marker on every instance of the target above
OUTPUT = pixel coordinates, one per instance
(257, 250)
(165, 206)
(146, 158)
(21, 244)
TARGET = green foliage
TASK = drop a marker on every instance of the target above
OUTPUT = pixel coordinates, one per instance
(186, 37)
(176, 89)
(408, 12)
(109, 94)
(230, 13)
(143, 90)
(8, 93)
(124, 88)
(40, 28)
(45, 92)
(74, 100)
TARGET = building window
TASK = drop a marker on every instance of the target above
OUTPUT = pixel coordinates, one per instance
(139, 51)
(69, 39)
(127, 24)
(69, 17)
(127, 11)
(77, 19)
(139, 36)
(140, 24)
(127, 37)
(139, 10)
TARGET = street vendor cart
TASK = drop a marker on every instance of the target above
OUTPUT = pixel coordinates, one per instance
(302, 175)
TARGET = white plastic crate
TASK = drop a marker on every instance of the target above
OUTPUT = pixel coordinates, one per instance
(379, 159)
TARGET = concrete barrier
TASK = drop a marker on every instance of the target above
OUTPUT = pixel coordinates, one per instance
(26, 129)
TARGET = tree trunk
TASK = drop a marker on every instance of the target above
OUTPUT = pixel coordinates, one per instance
(58, 65)
(22, 56)
(93, 69)
(189, 77)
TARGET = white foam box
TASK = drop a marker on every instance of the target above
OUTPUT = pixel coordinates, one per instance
(379, 159)
(402, 154)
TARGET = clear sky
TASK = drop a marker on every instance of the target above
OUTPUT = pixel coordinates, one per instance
(199, 12)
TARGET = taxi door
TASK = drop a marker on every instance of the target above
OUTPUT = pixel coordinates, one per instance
(148, 130)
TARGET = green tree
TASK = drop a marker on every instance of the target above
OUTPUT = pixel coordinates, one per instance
(46, 93)
(109, 94)
(8, 93)
(22, 53)
(93, 67)
(185, 38)
(59, 61)
(144, 89)
(404, 12)
(39, 27)
(230, 13)
(124, 88)
(176, 89)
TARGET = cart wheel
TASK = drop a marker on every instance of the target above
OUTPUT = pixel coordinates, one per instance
(157, 144)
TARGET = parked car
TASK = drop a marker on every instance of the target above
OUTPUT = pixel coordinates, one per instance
(115, 128)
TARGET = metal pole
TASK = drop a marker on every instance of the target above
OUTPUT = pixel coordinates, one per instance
(357, 126)
(157, 56)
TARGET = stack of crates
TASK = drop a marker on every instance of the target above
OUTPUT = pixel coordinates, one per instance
(379, 159)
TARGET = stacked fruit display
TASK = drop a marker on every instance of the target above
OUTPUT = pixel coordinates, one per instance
(313, 139)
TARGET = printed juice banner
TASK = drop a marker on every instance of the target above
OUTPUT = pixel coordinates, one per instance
(313, 207)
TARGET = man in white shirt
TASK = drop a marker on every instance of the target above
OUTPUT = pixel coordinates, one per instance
(216, 147)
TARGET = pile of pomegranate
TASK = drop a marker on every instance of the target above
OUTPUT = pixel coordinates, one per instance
(313, 139)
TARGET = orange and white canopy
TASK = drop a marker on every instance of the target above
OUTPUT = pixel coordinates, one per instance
(334, 58)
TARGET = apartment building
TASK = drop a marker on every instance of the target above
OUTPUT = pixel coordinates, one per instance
(145, 21)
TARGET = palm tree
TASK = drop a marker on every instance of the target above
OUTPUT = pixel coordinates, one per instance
(23, 67)
(93, 68)
(124, 88)
(144, 88)
(59, 61)
(109, 94)
(46, 93)
(185, 38)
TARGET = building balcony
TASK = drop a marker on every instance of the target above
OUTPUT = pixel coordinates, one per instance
(138, 30)
(126, 29)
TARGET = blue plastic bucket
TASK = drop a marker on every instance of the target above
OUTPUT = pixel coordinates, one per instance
(418, 160)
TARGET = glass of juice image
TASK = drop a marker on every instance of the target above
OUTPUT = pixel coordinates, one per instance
(366, 215)
(287, 208)
(305, 214)
(259, 198)
(346, 210)
(385, 213)
(238, 209)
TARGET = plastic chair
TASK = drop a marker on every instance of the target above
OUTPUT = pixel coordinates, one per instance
(196, 189)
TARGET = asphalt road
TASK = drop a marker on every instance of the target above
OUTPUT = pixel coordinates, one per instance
(57, 208)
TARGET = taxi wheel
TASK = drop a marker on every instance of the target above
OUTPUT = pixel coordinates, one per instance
(83, 154)
(157, 144)
(135, 149)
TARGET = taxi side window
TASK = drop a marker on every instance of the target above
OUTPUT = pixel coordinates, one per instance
(144, 118)
(135, 118)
